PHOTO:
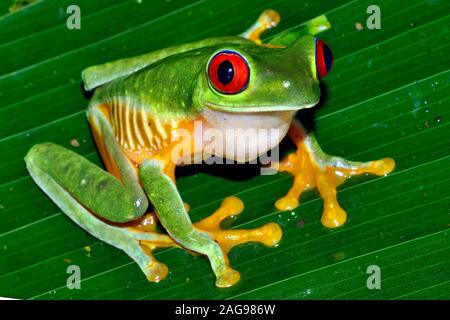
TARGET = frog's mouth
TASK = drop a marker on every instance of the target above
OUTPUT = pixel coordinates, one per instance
(259, 108)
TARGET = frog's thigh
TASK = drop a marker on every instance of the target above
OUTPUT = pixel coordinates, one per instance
(93, 187)
(55, 170)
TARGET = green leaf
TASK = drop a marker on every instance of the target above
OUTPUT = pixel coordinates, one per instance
(387, 95)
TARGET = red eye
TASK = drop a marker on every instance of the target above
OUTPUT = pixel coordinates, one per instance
(228, 72)
(324, 58)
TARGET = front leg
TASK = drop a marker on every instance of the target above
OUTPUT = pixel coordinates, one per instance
(311, 167)
(205, 237)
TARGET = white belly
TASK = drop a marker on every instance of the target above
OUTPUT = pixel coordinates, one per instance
(243, 137)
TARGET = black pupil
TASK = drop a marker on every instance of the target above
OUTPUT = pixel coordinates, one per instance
(225, 72)
(327, 57)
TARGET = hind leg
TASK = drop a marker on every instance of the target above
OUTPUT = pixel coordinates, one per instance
(74, 183)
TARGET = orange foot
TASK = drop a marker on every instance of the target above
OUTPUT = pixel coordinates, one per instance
(144, 230)
(311, 167)
(269, 234)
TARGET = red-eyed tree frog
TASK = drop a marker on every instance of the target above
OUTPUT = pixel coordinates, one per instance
(224, 83)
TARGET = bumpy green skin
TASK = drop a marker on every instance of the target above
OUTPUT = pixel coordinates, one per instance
(178, 87)
(96, 76)
(171, 83)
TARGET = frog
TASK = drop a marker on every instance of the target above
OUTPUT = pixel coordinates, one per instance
(141, 104)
